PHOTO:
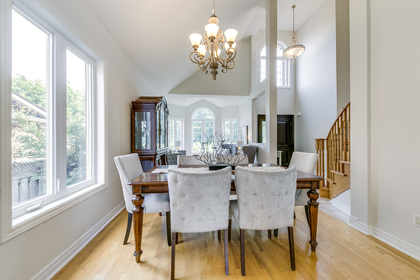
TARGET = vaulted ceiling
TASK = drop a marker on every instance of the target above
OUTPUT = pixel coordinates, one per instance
(154, 33)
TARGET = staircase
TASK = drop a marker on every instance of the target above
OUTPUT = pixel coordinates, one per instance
(334, 156)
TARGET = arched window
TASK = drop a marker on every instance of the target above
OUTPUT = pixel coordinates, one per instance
(202, 127)
(282, 68)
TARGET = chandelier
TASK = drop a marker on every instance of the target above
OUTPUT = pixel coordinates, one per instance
(294, 50)
(214, 42)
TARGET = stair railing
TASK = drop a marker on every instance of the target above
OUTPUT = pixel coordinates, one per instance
(334, 151)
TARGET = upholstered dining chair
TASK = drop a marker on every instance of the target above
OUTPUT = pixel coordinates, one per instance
(251, 152)
(199, 202)
(129, 167)
(305, 162)
(189, 160)
(266, 199)
(172, 158)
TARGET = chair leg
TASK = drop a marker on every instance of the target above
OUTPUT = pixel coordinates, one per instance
(294, 214)
(127, 231)
(226, 253)
(168, 227)
(173, 256)
(219, 235)
(230, 230)
(242, 233)
(291, 248)
(276, 232)
(269, 233)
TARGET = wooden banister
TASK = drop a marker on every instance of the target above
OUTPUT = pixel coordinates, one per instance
(334, 151)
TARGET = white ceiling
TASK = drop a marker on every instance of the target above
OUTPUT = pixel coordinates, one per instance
(154, 33)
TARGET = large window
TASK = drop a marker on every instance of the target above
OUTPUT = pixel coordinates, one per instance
(202, 127)
(176, 133)
(52, 116)
(282, 66)
(230, 130)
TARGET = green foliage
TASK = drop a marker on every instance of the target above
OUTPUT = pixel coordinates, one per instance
(29, 126)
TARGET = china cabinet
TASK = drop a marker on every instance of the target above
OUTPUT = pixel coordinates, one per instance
(149, 130)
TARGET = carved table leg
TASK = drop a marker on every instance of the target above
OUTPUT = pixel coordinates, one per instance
(313, 215)
(138, 225)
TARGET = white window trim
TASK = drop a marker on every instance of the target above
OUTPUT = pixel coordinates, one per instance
(10, 228)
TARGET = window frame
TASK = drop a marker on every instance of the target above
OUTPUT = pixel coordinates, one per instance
(12, 225)
(174, 119)
(279, 59)
(203, 121)
(231, 120)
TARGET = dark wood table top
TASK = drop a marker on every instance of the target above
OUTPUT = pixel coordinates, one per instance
(160, 180)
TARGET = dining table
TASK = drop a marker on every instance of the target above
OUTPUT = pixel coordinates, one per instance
(155, 180)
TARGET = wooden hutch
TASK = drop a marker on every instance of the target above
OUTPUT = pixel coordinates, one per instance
(149, 130)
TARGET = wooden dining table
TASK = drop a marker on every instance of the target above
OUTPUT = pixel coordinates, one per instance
(155, 181)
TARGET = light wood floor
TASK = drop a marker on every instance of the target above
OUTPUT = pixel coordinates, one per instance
(342, 253)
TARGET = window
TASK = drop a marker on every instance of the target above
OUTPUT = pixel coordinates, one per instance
(176, 133)
(282, 67)
(53, 116)
(202, 127)
(230, 130)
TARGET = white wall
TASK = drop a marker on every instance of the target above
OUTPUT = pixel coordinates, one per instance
(388, 190)
(316, 88)
(39, 248)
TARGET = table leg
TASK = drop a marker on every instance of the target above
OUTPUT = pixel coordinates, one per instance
(138, 225)
(313, 216)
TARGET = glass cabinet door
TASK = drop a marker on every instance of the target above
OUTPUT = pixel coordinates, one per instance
(142, 131)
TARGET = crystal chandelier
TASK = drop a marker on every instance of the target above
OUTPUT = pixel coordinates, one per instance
(214, 42)
(294, 50)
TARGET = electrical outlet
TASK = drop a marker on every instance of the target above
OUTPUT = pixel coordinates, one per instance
(416, 219)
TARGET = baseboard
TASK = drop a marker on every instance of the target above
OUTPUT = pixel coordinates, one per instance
(343, 207)
(59, 262)
(396, 242)
(393, 241)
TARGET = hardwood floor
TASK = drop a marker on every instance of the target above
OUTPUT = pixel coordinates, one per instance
(343, 253)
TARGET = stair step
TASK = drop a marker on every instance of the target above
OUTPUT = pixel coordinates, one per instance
(338, 173)
(344, 162)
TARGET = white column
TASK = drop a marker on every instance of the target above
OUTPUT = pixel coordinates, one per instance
(360, 113)
(271, 94)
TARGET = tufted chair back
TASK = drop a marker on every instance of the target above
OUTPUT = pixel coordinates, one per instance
(266, 197)
(189, 160)
(305, 162)
(172, 158)
(199, 199)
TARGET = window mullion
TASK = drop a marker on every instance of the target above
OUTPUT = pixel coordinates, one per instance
(59, 93)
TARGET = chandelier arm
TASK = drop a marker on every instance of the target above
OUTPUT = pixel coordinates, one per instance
(195, 57)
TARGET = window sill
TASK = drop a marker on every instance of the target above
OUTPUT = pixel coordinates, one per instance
(34, 218)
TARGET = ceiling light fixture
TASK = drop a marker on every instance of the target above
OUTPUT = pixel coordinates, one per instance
(214, 42)
(294, 50)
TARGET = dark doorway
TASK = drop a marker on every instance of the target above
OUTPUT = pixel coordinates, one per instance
(285, 136)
